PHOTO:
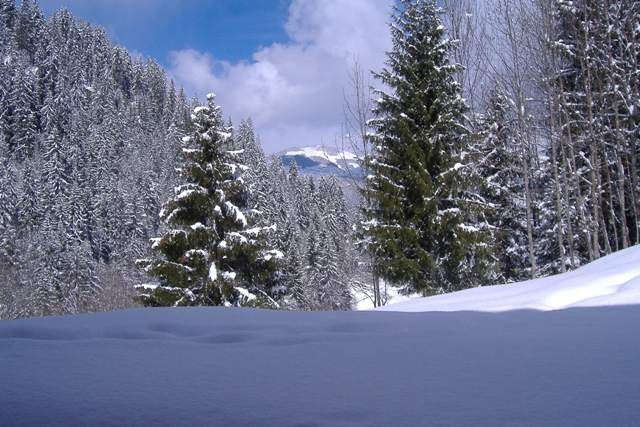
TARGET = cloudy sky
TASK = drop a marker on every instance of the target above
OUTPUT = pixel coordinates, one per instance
(284, 63)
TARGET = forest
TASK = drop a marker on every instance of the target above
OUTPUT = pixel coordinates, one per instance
(499, 143)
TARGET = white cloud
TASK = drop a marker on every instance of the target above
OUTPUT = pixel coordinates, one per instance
(294, 91)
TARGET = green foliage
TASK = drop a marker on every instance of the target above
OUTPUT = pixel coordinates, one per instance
(210, 255)
(418, 228)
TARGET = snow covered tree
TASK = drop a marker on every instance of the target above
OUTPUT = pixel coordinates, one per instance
(23, 128)
(329, 290)
(417, 221)
(497, 164)
(89, 155)
(210, 255)
(29, 26)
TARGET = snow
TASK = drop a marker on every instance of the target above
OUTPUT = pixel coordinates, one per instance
(237, 214)
(224, 135)
(230, 367)
(191, 150)
(273, 253)
(237, 237)
(191, 253)
(213, 272)
(611, 280)
(185, 193)
(320, 152)
(245, 293)
(155, 242)
(468, 228)
(173, 213)
(228, 275)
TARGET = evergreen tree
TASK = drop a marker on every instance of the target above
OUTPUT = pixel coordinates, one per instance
(24, 125)
(330, 290)
(211, 255)
(497, 165)
(417, 221)
(29, 26)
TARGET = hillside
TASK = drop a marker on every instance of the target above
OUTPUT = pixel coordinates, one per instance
(611, 280)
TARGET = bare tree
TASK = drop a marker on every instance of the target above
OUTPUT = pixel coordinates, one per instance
(357, 102)
(511, 68)
(466, 25)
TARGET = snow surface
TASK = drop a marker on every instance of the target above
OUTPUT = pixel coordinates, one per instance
(213, 272)
(611, 280)
(242, 367)
(320, 152)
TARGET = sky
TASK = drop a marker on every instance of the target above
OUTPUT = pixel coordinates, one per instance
(284, 63)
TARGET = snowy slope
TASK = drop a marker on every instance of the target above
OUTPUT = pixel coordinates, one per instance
(321, 161)
(611, 280)
(337, 158)
(241, 367)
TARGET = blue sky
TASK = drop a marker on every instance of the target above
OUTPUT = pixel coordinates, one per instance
(284, 63)
(231, 29)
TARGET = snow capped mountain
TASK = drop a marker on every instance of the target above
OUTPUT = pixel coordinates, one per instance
(611, 280)
(323, 161)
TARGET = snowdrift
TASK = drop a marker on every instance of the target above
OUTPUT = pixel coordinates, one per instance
(611, 280)
(241, 367)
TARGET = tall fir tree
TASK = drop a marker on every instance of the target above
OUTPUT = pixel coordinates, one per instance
(211, 255)
(417, 184)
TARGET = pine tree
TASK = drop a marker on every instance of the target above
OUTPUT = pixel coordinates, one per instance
(417, 222)
(497, 165)
(211, 255)
(292, 271)
(330, 290)
(23, 125)
(29, 26)
(7, 15)
(77, 114)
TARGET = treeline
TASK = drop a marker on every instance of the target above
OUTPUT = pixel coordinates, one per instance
(502, 147)
(242, 231)
(90, 144)
(509, 152)
(564, 102)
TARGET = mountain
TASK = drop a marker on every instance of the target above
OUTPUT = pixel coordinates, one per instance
(608, 281)
(321, 161)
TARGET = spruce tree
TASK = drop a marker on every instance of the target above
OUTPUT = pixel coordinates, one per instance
(211, 254)
(495, 155)
(417, 183)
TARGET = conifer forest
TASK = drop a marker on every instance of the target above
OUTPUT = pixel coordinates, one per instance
(498, 143)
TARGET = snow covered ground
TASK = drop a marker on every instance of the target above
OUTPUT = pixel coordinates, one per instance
(612, 280)
(228, 367)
